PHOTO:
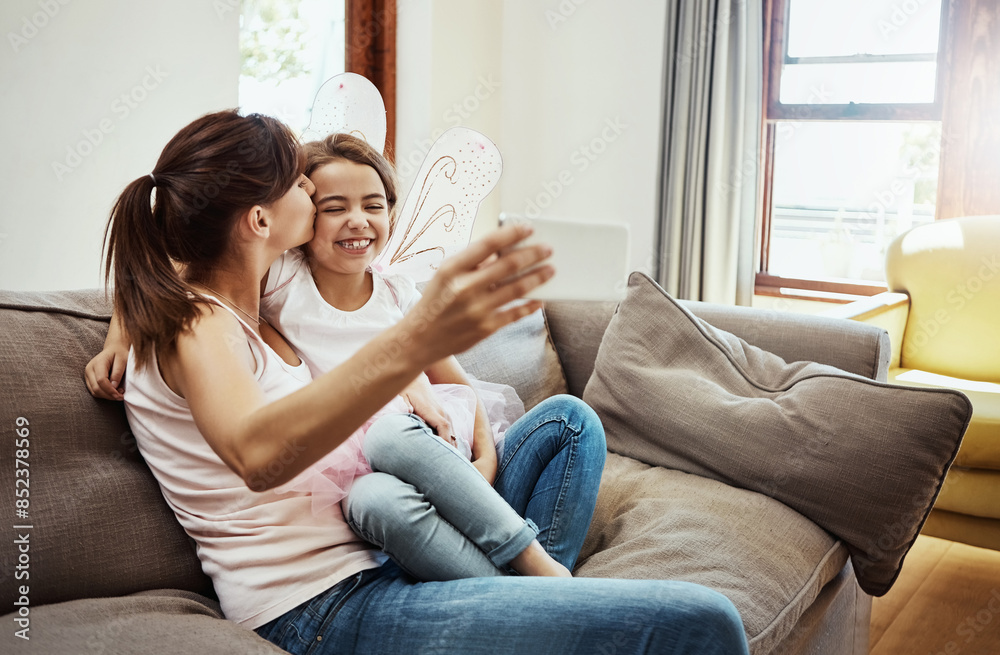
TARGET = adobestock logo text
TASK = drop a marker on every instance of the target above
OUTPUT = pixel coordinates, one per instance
(30, 25)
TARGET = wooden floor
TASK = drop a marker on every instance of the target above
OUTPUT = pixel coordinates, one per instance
(945, 602)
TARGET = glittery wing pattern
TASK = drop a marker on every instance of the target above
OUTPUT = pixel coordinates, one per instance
(437, 217)
(348, 103)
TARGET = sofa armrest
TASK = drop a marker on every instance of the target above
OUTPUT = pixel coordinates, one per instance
(887, 310)
(577, 328)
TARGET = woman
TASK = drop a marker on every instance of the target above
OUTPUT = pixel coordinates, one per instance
(224, 411)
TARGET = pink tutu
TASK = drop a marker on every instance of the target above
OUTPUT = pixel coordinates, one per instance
(329, 480)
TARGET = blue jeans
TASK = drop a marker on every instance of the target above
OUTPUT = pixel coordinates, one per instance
(385, 611)
(429, 509)
(550, 472)
(548, 456)
(434, 514)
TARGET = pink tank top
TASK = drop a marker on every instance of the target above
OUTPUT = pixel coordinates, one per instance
(266, 552)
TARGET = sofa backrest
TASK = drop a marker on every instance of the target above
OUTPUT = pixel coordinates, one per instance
(578, 327)
(99, 526)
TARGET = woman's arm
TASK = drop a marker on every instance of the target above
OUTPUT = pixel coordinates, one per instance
(484, 453)
(264, 443)
(268, 444)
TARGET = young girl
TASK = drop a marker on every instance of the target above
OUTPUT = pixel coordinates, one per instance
(428, 509)
(223, 412)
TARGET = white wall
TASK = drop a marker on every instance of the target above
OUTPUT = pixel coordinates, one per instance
(448, 73)
(573, 102)
(92, 91)
(551, 82)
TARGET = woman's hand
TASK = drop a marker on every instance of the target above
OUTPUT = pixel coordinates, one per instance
(420, 397)
(103, 374)
(465, 302)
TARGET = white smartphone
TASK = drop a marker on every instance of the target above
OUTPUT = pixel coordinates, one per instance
(591, 259)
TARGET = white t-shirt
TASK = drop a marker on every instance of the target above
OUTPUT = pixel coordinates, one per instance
(266, 552)
(322, 335)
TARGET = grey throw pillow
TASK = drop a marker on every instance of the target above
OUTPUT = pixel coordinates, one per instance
(862, 459)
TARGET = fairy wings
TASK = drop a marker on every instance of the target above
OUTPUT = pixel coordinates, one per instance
(439, 211)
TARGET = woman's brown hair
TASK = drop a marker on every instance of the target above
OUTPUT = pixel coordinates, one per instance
(211, 172)
(339, 146)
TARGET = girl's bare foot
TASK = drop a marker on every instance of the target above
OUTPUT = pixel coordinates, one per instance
(533, 560)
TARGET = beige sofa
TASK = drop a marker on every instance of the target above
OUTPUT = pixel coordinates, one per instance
(104, 567)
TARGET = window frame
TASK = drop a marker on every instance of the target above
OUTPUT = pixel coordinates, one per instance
(370, 41)
(776, 14)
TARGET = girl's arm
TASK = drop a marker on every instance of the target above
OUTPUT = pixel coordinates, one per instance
(484, 453)
(267, 444)
(103, 374)
(420, 395)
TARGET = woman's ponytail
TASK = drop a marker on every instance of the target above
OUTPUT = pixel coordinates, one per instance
(150, 298)
(172, 227)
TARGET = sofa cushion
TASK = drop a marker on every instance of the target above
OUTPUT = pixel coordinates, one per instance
(652, 522)
(520, 355)
(973, 484)
(863, 459)
(87, 482)
(975, 492)
(161, 622)
(972, 530)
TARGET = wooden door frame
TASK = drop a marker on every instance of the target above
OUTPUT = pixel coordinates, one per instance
(371, 51)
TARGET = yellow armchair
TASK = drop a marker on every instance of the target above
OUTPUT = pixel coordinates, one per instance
(942, 312)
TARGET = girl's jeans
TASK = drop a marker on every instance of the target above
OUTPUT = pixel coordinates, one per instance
(385, 610)
(431, 511)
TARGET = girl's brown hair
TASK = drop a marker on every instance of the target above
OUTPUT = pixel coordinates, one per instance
(211, 172)
(339, 146)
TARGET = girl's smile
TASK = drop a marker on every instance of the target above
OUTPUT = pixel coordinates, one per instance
(356, 246)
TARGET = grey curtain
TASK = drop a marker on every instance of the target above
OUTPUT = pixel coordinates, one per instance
(713, 78)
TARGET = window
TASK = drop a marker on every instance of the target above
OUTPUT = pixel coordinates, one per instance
(290, 47)
(853, 104)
